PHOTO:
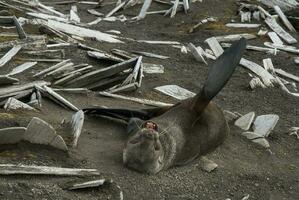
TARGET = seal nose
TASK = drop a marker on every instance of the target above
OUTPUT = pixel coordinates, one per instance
(150, 134)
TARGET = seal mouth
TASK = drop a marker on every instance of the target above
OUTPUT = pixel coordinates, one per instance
(150, 125)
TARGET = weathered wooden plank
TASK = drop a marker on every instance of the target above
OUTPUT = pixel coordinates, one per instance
(266, 77)
(235, 37)
(99, 74)
(137, 100)
(287, 75)
(145, 7)
(242, 25)
(59, 98)
(197, 53)
(274, 38)
(104, 56)
(215, 46)
(284, 19)
(51, 68)
(117, 8)
(19, 88)
(6, 80)
(286, 48)
(22, 68)
(76, 126)
(175, 91)
(82, 32)
(271, 22)
(74, 14)
(9, 55)
(11, 169)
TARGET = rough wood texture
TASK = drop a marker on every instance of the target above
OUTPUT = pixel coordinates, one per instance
(9, 55)
(11, 169)
(271, 22)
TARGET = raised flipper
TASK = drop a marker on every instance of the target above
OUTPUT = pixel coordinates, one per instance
(126, 114)
(219, 73)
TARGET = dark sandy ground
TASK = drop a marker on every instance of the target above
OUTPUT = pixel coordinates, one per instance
(244, 168)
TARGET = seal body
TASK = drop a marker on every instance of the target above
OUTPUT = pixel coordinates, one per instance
(164, 137)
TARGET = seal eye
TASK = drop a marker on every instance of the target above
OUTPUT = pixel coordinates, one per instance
(150, 125)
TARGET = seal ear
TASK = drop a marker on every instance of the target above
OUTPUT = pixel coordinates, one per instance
(219, 74)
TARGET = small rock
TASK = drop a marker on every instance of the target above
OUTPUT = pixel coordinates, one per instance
(12, 135)
(262, 141)
(245, 121)
(207, 165)
(264, 124)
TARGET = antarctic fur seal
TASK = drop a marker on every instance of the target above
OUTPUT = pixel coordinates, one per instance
(160, 138)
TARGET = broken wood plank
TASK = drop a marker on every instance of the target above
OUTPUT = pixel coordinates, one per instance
(287, 75)
(137, 100)
(256, 82)
(268, 65)
(14, 104)
(150, 55)
(12, 135)
(104, 56)
(235, 37)
(94, 12)
(20, 88)
(117, 8)
(99, 74)
(76, 126)
(174, 8)
(215, 46)
(59, 98)
(285, 89)
(82, 32)
(22, 68)
(271, 22)
(87, 184)
(40, 132)
(284, 19)
(175, 91)
(6, 80)
(74, 14)
(47, 17)
(159, 42)
(9, 55)
(153, 68)
(20, 30)
(198, 53)
(11, 169)
(274, 38)
(266, 77)
(255, 48)
(286, 48)
(144, 8)
(52, 68)
(242, 25)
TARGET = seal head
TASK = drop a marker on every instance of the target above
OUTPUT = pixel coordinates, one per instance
(143, 151)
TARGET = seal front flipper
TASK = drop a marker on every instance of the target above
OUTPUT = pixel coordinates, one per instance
(219, 74)
(126, 114)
